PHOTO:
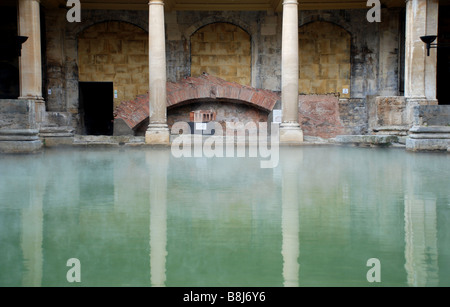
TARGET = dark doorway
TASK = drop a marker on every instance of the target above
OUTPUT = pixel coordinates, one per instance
(9, 56)
(443, 64)
(96, 107)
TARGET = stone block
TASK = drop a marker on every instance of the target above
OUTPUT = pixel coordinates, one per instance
(20, 147)
(367, 140)
(417, 145)
(432, 115)
(137, 59)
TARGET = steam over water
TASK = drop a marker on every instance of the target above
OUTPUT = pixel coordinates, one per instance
(140, 217)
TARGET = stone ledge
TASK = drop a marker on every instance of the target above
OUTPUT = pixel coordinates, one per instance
(366, 140)
(20, 147)
(430, 129)
(108, 141)
(20, 132)
(20, 135)
(391, 130)
(428, 138)
(427, 144)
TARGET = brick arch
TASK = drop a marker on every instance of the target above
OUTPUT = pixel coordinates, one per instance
(193, 89)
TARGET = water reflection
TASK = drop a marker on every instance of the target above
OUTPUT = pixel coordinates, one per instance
(290, 222)
(158, 163)
(421, 251)
(143, 218)
(32, 231)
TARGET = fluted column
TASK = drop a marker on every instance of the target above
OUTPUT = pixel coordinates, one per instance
(158, 131)
(30, 60)
(290, 130)
(420, 69)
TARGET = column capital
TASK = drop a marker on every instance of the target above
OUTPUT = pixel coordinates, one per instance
(153, 2)
(290, 2)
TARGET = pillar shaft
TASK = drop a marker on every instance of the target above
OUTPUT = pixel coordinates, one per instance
(30, 61)
(420, 69)
(158, 132)
(290, 131)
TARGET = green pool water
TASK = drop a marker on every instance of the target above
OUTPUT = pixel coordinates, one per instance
(140, 217)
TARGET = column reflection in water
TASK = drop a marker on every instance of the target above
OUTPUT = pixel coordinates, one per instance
(157, 161)
(421, 242)
(32, 229)
(290, 162)
(421, 253)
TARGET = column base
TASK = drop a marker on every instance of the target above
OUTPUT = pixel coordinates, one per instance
(411, 103)
(157, 134)
(16, 141)
(291, 134)
(36, 98)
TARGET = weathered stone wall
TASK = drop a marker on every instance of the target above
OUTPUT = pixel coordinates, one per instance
(18, 126)
(62, 54)
(432, 115)
(115, 52)
(386, 111)
(324, 59)
(319, 116)
(353, 115)
(17, 114)
(373, 52)
(226, 112)
(222, 50)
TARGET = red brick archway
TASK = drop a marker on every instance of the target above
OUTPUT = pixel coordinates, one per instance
(191, 89)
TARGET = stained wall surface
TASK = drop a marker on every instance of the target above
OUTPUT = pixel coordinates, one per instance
(115, 52)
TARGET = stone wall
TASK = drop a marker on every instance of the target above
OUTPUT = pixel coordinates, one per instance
(226, 112)
(353, 115)
(222, 50)
(386, 112)
(115, 52)
(17, 114)
(324, 59)
(373, 53)
(432, 115)
(319, 116)
(18, 126)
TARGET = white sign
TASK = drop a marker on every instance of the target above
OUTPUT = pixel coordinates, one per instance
(277, 116)
(200, 126)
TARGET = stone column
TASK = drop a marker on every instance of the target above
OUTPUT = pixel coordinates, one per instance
(30, 61)
(420, 69)
(290, 131)
(158, 131)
